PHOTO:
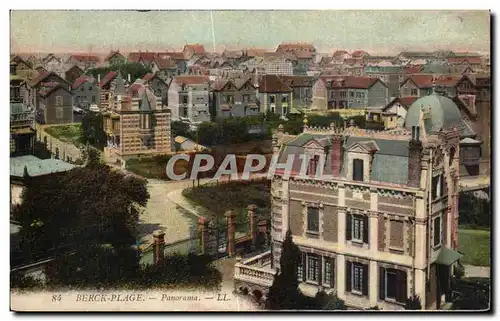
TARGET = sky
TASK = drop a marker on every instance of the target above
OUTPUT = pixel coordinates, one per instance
(373, 31)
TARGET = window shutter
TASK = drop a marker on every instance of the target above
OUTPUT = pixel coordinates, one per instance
(365, 229)
(304, 263)
(348, 227)
(320, 269)
(401, 289)
(381, 283)
(348, 271)
(332, 274)
(365, 279)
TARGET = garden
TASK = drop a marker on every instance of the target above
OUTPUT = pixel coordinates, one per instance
(476, 247)
(71, 133)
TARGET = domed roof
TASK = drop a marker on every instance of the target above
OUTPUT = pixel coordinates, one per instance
(439, 112)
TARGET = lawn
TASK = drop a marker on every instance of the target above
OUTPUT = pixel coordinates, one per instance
(68, 133)
(235, 196)
(476, 247)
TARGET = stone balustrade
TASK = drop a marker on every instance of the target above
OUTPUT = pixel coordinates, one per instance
(256, 270)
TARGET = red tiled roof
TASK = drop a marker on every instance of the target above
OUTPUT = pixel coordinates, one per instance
(39, 78)
(50, 87)
(80, 80)
(19, 59)
(146, 57)
(254, 52)
(303, 54)
(272, 84)
(407, 101)
(148, 77)
(196, 48)
(296, 46)
(191, 80)
(358, 53)
(109, 76)
(298, 81)
(165, 62)
(459, 60)
(426, 81)
(173, 55)
(219, 84)
(413, 70)
(85, 58)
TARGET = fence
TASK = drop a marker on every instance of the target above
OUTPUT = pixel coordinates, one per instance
(186, 246)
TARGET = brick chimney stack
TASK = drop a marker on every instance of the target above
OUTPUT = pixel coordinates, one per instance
(415, 158)
(336, 151)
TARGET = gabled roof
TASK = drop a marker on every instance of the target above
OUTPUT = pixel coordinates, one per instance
(50, 57)
(109, 76)
(50, 87)
(255, 52)
(459, 60)
(403, 101)
(233, 54)
(196, 48)
(427, 81)
(173, 55)
(81, 80)
(146, 57)
(352, 61)
(350, 82)
(44, 75)
(337, 53)
(149, 76)
(165, 62)
(190, 80)
(18, 59)
(298, 81)
(359, 54)
(413, 70)
(272, 84)
(113, 54)
(36, 166)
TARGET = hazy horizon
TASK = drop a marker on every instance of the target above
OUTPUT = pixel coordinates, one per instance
(376, 31)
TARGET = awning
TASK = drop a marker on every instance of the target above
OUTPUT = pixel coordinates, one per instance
(448, 257)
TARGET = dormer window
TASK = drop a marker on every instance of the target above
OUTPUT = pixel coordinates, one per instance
(357, 169)
(313, 165)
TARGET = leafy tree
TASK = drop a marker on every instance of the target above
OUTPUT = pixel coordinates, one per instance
(82, 207)
(284, 293)
(92, 130)
(413, 303)
(474, 211)
(208, 133)
(326, 301)
(180, 128)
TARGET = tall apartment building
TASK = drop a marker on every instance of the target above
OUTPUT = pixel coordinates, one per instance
(188, 98)
(381, 224)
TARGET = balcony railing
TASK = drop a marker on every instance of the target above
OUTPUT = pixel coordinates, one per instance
(256, 270)
(22, 119)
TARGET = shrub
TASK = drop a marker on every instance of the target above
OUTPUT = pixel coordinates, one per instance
(413, 303)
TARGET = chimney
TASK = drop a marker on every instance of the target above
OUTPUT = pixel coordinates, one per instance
(129, 78)
(336, 152)
(99, 78)
(415, 158)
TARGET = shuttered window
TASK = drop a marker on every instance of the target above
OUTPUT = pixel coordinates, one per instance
(357, 228)
(313, 219)
(393, 285)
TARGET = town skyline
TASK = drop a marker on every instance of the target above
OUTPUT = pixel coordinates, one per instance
(152, 31)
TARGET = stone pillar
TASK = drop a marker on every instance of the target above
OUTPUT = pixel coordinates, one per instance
(204, 233)
(159, 246)
(373, 231)
(251, 217)
(419, 282)
(231, 229)
(373, 285)
(341, 217)
(340, 277)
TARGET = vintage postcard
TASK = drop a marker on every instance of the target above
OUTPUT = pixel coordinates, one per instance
(250, 160)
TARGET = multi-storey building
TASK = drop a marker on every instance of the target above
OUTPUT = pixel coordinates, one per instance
(274, 96)
(110, 85)
(136, 124)
(114, 58)
(73, 73)
(421, 85)
(302, 89)
(22, 118)
(158, 85)
(389, 73)
(84, 61)
(338, 92)
(190, 51)
(375, 214)
(23, 68)
(277, 66)
(235, 98)
(85, 91)
(188, 98)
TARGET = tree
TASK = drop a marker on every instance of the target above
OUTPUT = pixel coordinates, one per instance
(284, 293)
(92, 130)
(82, 207)
(180, 128)
(326, 301)
(475, 211)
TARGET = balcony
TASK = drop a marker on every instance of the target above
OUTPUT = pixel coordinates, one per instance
(25, 119)
(255, 271)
